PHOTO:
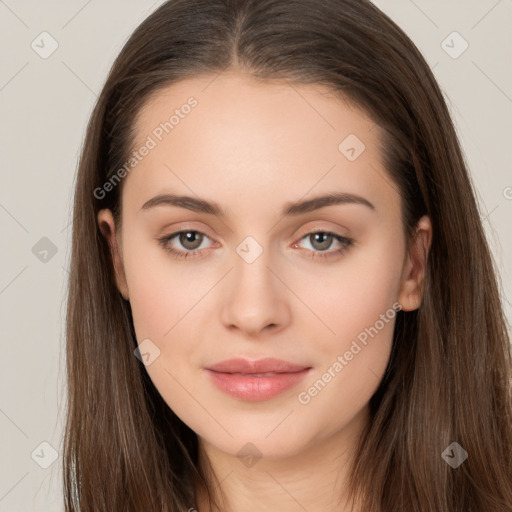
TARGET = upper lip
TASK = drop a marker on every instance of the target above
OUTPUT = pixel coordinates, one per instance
(267, 365)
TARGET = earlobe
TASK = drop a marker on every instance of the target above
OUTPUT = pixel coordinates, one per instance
(107, 227)
(413, 276)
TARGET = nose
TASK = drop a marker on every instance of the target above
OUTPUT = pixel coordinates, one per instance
(256, 300)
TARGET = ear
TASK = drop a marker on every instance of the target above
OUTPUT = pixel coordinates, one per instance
(413, 275)
(108, 229)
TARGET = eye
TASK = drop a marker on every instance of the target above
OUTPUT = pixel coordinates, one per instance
(189, 239)
(321, 241)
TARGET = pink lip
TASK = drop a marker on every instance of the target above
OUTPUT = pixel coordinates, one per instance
(243, 379)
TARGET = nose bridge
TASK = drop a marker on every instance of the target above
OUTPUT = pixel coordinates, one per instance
(254, 300)
(252, 268)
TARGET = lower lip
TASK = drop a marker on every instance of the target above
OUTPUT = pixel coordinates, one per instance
(249, 387)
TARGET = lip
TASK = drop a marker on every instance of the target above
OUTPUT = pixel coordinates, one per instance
(245, 366)
(256, 380)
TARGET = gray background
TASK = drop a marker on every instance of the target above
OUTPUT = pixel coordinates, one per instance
(45, 104)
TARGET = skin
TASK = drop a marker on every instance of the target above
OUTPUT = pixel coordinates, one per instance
(253, 147)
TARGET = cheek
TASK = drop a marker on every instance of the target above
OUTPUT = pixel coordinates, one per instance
(358, 304)
(166, 305)
(352, 294)
(162, 293)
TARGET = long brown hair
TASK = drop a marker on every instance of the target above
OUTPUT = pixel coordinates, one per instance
(448, 378)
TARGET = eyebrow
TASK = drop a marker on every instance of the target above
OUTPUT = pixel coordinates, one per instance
(196, 204)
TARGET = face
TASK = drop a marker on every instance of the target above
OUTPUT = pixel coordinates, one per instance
(263, 271)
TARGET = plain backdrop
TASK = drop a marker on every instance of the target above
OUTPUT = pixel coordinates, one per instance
(45, 103)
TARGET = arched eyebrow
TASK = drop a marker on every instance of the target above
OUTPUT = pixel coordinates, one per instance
(199, 205)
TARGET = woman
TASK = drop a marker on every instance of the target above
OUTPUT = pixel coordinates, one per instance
(335, 341)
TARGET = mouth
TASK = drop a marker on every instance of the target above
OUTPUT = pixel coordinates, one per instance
(256, 380)
(259, 366)
(268, 374)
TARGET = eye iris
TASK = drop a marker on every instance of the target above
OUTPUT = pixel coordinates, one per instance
(321, 237)
(187, 237)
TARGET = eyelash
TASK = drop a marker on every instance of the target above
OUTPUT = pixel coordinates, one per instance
(345, 241)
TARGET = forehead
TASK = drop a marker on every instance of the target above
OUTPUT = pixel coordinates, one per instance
(232, 134)
(230, 100)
